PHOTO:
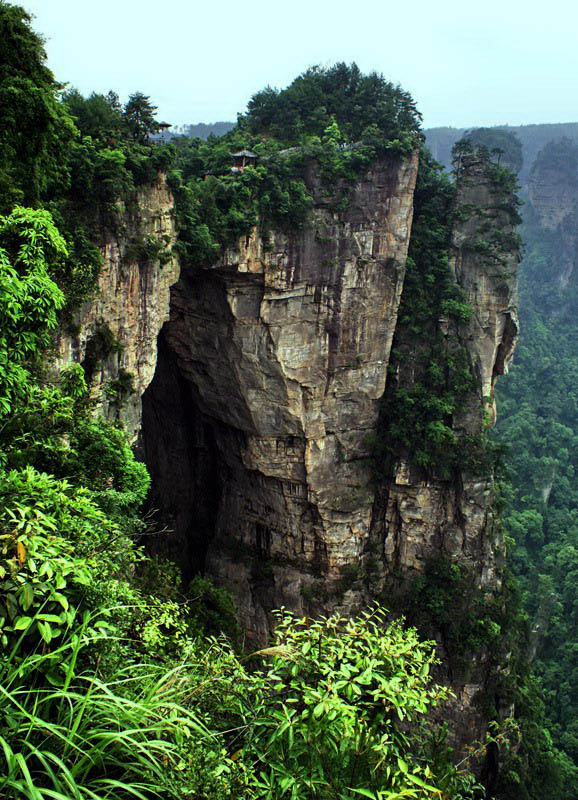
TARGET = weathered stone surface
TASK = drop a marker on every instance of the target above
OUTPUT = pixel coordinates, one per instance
(419, 515)
(131, 301)
(553, 198)
(282, 351)
(287, 345)
(488, 277)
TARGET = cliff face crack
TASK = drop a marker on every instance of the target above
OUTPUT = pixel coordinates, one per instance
(507, 344)
(179, 446)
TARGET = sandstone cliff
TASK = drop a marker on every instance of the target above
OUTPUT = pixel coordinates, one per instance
(272, 367)
(116, 328)
(278, 357)
(268, 383)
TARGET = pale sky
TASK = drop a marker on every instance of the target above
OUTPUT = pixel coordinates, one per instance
(466, 63)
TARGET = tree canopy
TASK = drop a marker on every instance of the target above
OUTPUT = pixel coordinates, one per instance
(341, 93)
(35, 128)
(139, 114)
(98, 116)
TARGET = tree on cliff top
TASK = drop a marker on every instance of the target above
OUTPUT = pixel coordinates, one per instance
(340, 93)
(139, 115)
(504, 144)
(98, 115)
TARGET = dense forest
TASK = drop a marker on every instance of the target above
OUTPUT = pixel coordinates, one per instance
(118, 680)
(539, 422)
(537, 419)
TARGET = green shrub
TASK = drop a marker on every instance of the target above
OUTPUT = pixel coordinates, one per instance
(128, 737)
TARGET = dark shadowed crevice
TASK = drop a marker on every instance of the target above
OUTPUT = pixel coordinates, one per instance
(180, 452)
(506, 346)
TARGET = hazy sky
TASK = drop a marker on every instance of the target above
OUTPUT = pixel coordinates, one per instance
(473, 62)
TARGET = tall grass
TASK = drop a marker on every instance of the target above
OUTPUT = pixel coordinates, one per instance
(92, 739)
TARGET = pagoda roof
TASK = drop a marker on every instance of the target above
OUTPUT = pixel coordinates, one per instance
(246, 153)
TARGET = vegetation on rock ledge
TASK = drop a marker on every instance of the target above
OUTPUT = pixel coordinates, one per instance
(431, 378)
(336, 119)
(110, 686)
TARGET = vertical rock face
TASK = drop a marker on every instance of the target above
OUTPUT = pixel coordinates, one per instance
(485, 263)
(273, 365)
(117, 328)
(282, 349)
(553, 198)
(269, 378)
(419, 515)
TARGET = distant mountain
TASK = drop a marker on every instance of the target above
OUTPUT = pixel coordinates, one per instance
(532, 138)
(439, 140)
(202, 130)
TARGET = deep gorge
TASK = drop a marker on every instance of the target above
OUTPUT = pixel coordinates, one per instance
(252, 535)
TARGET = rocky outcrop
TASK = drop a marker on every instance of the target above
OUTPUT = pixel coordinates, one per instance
(114, 333)
(421, 514)
(283, 349)
(275, 360)
(268, 383)
(549, 187)
(486, 254)
(553, 199)
(271, 369)
(426, 516)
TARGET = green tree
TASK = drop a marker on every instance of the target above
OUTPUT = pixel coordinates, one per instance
(341, 93)
(139, 115)
(35, 128)
(29, 298)
(99, 116)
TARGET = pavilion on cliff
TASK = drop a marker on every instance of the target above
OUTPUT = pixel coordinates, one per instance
(242, 159)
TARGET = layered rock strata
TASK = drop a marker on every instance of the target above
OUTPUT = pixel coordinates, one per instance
(276, 360)
(283, 348)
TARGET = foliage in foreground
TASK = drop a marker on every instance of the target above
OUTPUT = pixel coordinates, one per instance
(90, 738)
(331, 713)
(108, 688)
